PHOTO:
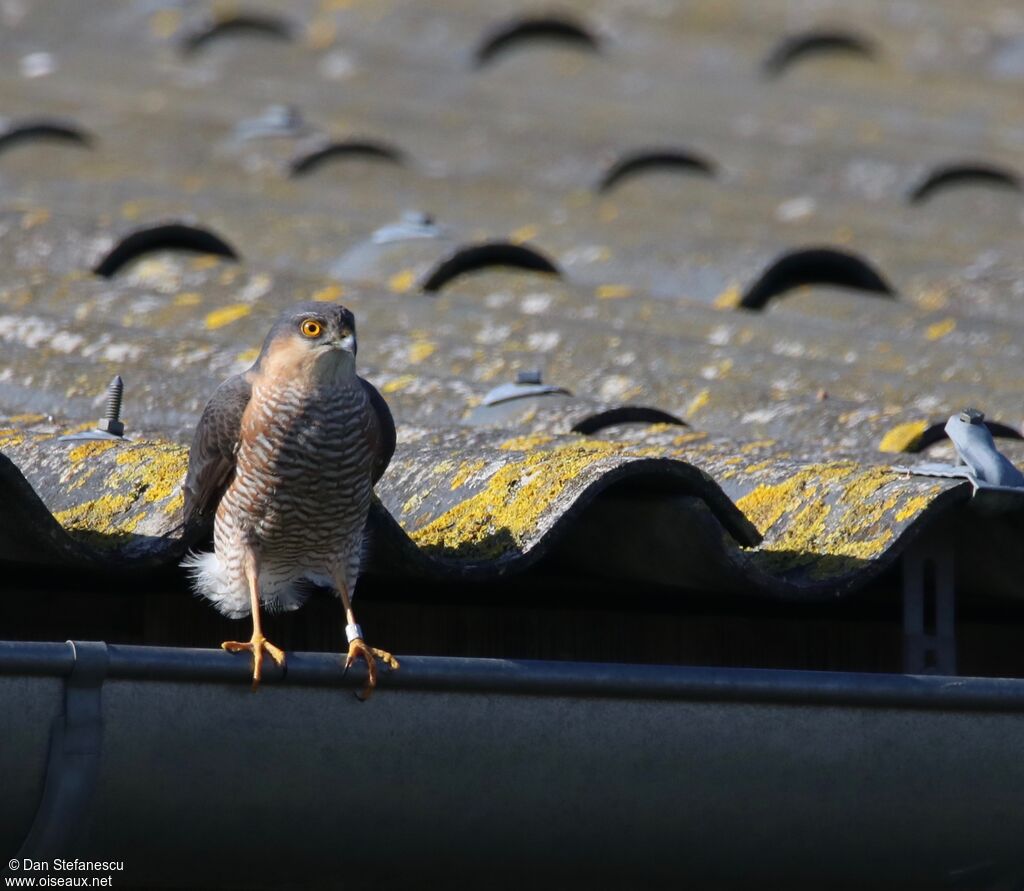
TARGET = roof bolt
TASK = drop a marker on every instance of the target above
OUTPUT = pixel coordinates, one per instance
(530, 377)
(111, 420)
(972, 416)
(418, 218)
(284, 117)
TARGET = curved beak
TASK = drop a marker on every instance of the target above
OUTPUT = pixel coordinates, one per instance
(346, 343)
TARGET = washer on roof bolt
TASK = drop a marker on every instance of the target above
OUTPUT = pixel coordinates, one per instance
(527, 383)
(274, 120)
(414, 224)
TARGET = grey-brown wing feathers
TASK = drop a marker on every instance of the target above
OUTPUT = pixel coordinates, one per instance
(211, 460)
(384, 446)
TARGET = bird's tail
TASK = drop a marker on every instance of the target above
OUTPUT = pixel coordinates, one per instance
(210, 579)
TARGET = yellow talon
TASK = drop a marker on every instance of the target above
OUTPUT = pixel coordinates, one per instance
(256, 646)
(358, 649)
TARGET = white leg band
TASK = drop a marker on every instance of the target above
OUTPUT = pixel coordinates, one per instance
(353, 632)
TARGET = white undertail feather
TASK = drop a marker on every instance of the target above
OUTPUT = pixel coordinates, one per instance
(281, 589)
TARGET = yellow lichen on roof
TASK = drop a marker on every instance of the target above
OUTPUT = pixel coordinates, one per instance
(689, 437)
(329, 293)
(767, 504)
(829, 516)
(698, 402)
(142, 474)
(101, 521)
(402, 282)
(613, 292)
(218, 318)
(175, 505)
(82, 463)
(414, 502)
(397, 384)
(466, 471)
(90, 449)
(524, 234)
(914, 506)
(508, 510)
(159, 468)
(420, 350)
(729, 298)
(942, 328)
(525, 443)
(902, 437)
(205, 261)
(660, 427)
(10, 437)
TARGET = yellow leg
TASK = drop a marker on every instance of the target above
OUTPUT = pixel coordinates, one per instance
(357, 647)
(259, 643)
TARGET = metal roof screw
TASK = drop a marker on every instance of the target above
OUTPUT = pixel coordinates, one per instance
(418, 218)
(283, 117)
(529, 377)
(111, 420)
(109, 426)
(972, 416)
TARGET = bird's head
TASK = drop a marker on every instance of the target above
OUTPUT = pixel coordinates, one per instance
(312, 338)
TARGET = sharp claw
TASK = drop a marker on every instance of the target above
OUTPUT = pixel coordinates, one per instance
(256, 646)
(357, 649)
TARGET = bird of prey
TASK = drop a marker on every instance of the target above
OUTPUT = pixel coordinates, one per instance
(284, 460)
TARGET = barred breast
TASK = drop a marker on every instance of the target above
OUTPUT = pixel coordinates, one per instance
(302, 486)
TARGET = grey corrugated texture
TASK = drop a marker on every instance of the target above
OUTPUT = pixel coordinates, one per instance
(796, 411)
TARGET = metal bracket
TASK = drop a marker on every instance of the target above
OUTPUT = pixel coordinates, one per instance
(76, 742)
(978, 459)
(929, 611)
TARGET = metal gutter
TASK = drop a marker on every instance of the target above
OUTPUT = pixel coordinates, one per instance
(537, 678)
(472, 771)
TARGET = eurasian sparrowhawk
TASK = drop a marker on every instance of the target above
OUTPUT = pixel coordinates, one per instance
(285, 458)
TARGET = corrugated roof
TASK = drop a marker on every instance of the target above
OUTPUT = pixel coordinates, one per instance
(796, 231)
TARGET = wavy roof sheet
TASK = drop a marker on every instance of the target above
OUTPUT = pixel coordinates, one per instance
(798, 234)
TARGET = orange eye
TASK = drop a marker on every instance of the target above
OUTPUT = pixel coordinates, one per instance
(311, 328)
